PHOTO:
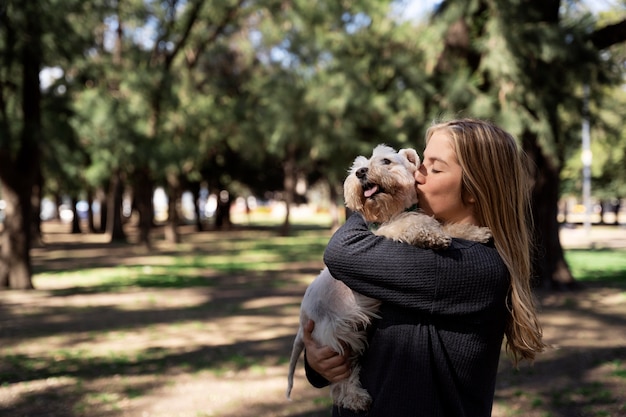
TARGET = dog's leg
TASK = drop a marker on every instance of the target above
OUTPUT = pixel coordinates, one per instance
(468, 232)
(417, 229)
(349, 393)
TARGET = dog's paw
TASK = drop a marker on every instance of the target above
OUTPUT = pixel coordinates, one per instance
(357, 399)
(348, 393)
(415, 228)
(468, 232)
(436, 241)
(433, 238)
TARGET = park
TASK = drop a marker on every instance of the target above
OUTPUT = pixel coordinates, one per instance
(171, 172)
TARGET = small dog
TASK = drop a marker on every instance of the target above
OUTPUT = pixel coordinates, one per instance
(383, 190)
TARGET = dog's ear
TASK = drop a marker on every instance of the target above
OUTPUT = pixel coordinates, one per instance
(411, 155)
(359, 162)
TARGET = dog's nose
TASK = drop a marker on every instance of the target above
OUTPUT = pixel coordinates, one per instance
(361, 173)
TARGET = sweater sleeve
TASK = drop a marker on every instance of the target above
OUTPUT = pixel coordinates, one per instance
(313, 377)
(466, 276)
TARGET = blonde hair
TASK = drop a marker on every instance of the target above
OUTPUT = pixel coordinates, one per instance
(496, 175)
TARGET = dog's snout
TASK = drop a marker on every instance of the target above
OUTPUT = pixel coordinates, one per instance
(361, 173)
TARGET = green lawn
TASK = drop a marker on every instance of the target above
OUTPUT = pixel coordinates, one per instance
(605, 265)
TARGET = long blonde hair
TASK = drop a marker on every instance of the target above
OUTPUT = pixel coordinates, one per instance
(496, 175)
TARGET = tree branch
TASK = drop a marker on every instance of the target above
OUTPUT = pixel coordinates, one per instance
(229, 16)
(609, 35)
(191, 20)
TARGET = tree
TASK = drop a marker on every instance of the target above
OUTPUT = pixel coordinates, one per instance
(20, 127)
(257, 96)
(341, 78)
(608, 143)
(523, 65)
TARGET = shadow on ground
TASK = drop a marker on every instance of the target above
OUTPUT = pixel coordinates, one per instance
(188, 341)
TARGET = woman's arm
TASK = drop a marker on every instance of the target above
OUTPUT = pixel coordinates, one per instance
(407, 276)
(378, 267)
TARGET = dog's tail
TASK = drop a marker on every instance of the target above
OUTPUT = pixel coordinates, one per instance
(298, 347)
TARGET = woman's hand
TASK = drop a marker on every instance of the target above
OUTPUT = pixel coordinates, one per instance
(325, 361)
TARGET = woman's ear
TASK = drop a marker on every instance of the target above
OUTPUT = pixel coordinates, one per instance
(467, 198)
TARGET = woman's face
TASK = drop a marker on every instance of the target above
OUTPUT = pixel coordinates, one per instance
(439, 183)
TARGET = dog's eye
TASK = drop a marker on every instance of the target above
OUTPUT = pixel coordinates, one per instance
(386, 161)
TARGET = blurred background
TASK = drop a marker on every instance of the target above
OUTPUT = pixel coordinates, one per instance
(185, 158)
(180, 111)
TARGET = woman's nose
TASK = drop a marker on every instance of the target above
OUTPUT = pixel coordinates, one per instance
(419, 176)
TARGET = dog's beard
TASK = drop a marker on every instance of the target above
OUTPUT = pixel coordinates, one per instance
(381, 206)
(377, 197)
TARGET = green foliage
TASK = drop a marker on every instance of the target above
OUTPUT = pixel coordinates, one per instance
(608, 145)
(226, 92)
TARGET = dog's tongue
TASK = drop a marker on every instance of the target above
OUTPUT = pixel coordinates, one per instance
(371, 191)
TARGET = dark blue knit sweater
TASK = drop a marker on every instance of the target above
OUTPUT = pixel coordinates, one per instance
(435, 351)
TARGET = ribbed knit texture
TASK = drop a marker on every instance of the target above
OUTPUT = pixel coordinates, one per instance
(435, 351)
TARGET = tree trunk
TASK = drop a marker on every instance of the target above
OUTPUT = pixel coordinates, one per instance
(58, 202)
(17, 175)
(114, 219)
(549, 263)
(334, 207)
(222, 211)
(103, 197)
(15, 265)
(143, 193)
(173, 197)
(195, 190)
(289, 185)
(91, 226)
(75, 218)
(36, 197)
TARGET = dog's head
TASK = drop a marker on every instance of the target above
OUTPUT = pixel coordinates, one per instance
(384, 185)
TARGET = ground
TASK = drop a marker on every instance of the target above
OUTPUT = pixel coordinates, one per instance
(222, 349)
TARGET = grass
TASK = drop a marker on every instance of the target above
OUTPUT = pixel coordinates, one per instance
(619, 369)
(604, 265)
(273, 254)
(211, 308)
(606, 260)
(262, 252)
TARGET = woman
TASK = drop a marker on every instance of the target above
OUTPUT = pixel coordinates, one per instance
(435, 351)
